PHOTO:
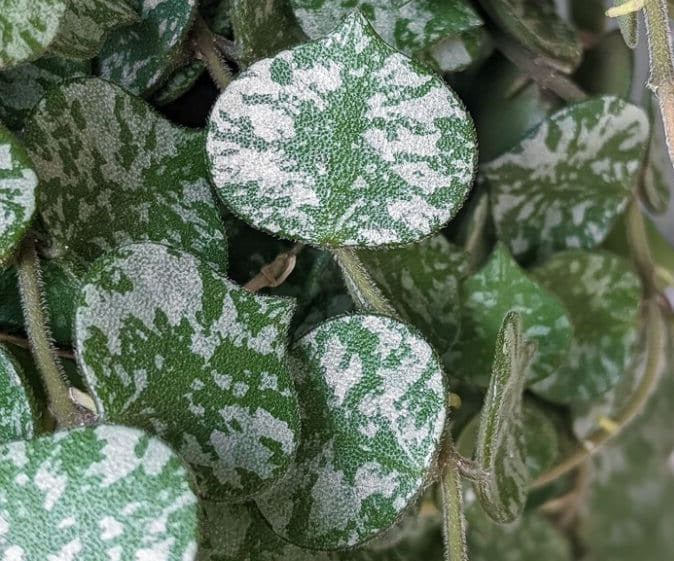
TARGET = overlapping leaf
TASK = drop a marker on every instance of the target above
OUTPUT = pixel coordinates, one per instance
(23, 86)
(85, 24)
(501, 285)
(372, 401)
(27, 28)
(601, 295)
(344, 142)
(461, 51)
(95, 493)
(17, 193)
(538, 26)
(112, 171)
(168, 345)
(16, 402)
(564, 185)
(501, 445)
(139, 56)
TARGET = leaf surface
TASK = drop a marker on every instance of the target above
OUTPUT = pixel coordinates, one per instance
(16, 403)
(168, 345)
(112, 171)
(353, 144)
(501, 444)
(17, 193)
(95, 493)
(564, 185)
(372, 403)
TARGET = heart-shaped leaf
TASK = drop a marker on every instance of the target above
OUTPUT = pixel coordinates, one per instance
(170, 346)
(27, 28)
(17, 193)
(95, 493)
(85, 24)
(501, 445)
(112, 171)
(263, 29)
(410, 27)
(564, 185)
(23, 86)
(422, 282)
(139, 56)
(601, 295)
(345, 142)
(16, 402)
(501, 285)
(372, 401)
(539, 27)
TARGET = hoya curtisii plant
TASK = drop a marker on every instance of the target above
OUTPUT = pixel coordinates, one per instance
(404, 388)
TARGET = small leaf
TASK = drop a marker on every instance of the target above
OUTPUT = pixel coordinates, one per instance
(17, 405)
(17, 193)
(410, 27)
(23, 86)
(125, 174)
(629, 26)
(85, 24)
(538, 26)
(106, 492)
(179, 82)
(461, 51)
(27, 28)
(422, 282)
(654, 185)
(601, 295)
(607, 67)
(262, 29)
(139, 57)
(372, 403)
(564, 185)
(501, 285)
(501, 446)
(353, 144)
(168, 345)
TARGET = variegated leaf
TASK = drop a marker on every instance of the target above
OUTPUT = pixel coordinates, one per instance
(262, 28)
(422, 282)
(540, 28)
(17, 193)
(17, 405)
(112, 171)
(345, 142)
(95, 493)
(411, 27)
(458, 52)
(372, 401)
(27, 27)
(23, 86)
(86, 23)
(501, 285)
(139, 56)
(179, 82)
(168, 345)
(601, 294)
(501, 445)
(564, 185)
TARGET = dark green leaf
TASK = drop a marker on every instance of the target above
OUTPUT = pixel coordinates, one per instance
(17, 405)
(607, 67)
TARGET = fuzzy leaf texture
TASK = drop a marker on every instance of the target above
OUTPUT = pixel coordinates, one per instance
(372, 398)
(345, 143)
(168, 345)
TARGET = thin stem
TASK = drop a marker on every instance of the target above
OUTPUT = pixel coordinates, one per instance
(53, 377)
(661, 80)
(454, 527)
(25, 344)
(640, 251)
(206, 48)
(275, 273)
(362, 288)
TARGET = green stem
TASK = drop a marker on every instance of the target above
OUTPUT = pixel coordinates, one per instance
(454, 527)
(661, 80)
(54, 379)
(205, 43)
(362, 288)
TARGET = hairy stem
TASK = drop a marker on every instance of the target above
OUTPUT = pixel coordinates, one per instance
(364, 291)
(207, 50)
(275, 273)
(661, 80)
(53, 377)
(454, 526)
